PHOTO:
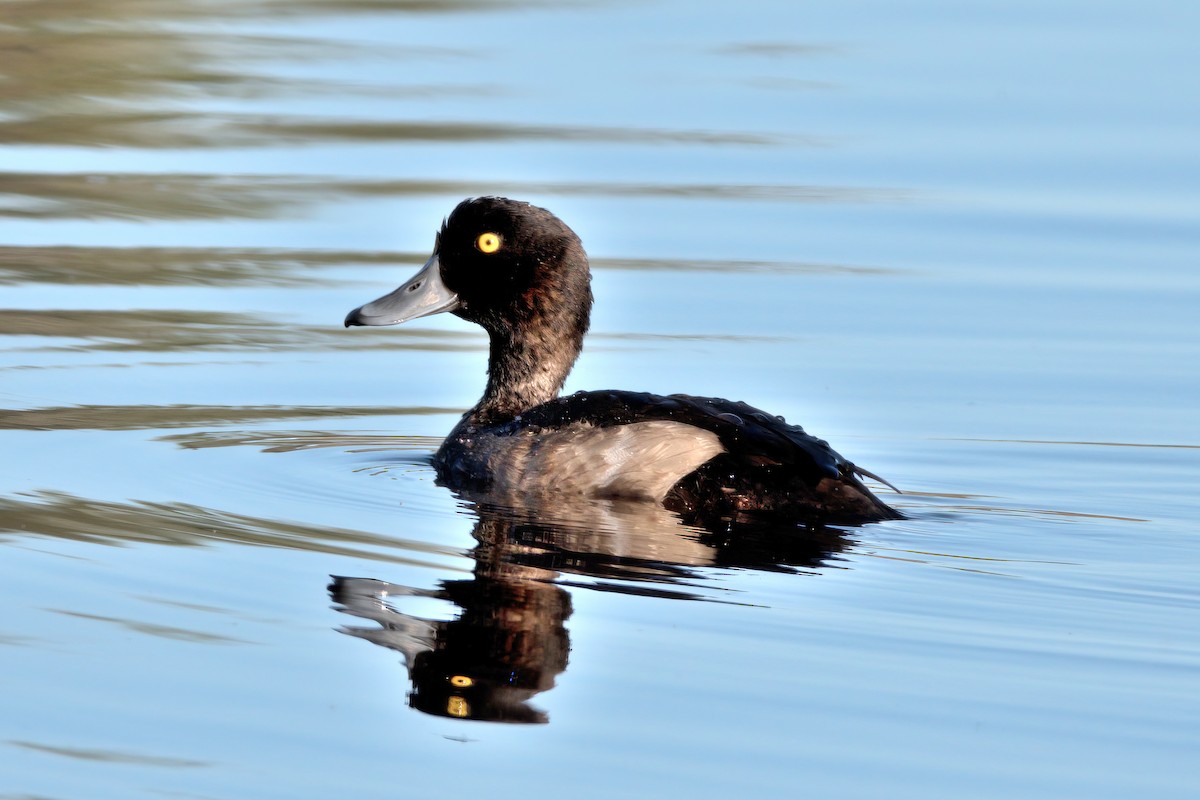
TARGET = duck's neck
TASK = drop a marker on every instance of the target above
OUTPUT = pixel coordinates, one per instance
(527, 367)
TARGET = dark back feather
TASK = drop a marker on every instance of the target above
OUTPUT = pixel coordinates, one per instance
(768, 466)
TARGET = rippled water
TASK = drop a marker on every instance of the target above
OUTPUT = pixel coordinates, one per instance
(959, 241)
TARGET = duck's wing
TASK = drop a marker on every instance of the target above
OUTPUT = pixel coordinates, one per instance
(765, 465)
(747, 434)
(754, 431)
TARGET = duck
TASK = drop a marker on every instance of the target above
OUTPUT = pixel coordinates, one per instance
(520, 273)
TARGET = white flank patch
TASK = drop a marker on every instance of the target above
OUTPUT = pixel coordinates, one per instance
(642, 459)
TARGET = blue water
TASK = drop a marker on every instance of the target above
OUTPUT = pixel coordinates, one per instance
(959, 242)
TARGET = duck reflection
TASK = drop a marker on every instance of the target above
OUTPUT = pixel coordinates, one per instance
(509, 640)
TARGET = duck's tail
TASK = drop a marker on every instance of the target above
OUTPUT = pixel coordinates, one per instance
(857, 470)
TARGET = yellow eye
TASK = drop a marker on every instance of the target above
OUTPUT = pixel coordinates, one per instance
(461, 681)
(488, 242)
(457, 707)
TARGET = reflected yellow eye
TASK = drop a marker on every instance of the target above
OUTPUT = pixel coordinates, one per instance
(488, 242)
(457, 707)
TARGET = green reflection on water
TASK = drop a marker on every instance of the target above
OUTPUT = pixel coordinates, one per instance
(147, 417)
(73, 73)
(67, 60)
(197, 196)
(172, 330)
(194, 130)
(79, 72)
(67, 516)
(182, 266)
(290, 441)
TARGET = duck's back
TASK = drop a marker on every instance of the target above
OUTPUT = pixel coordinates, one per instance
(704, 457)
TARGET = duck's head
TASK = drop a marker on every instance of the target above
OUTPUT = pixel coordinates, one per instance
(504, 264)
(521, 273)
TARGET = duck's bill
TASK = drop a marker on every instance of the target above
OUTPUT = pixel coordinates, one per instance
(425, 294)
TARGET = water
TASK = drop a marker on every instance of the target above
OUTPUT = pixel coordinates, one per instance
(957, 241)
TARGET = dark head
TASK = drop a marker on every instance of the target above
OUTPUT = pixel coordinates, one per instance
(522, 274)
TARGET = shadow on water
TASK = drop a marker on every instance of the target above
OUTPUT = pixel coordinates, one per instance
(508, 641)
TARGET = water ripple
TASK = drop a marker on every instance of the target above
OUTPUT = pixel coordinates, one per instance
(66, 516)
(151, 417)
(224, 267)
(200, 196)
(173, 330)
(107, 755)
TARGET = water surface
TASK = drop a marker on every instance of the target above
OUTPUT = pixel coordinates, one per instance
(958, 242)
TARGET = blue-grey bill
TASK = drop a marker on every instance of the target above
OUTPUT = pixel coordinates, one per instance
(423, 295)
